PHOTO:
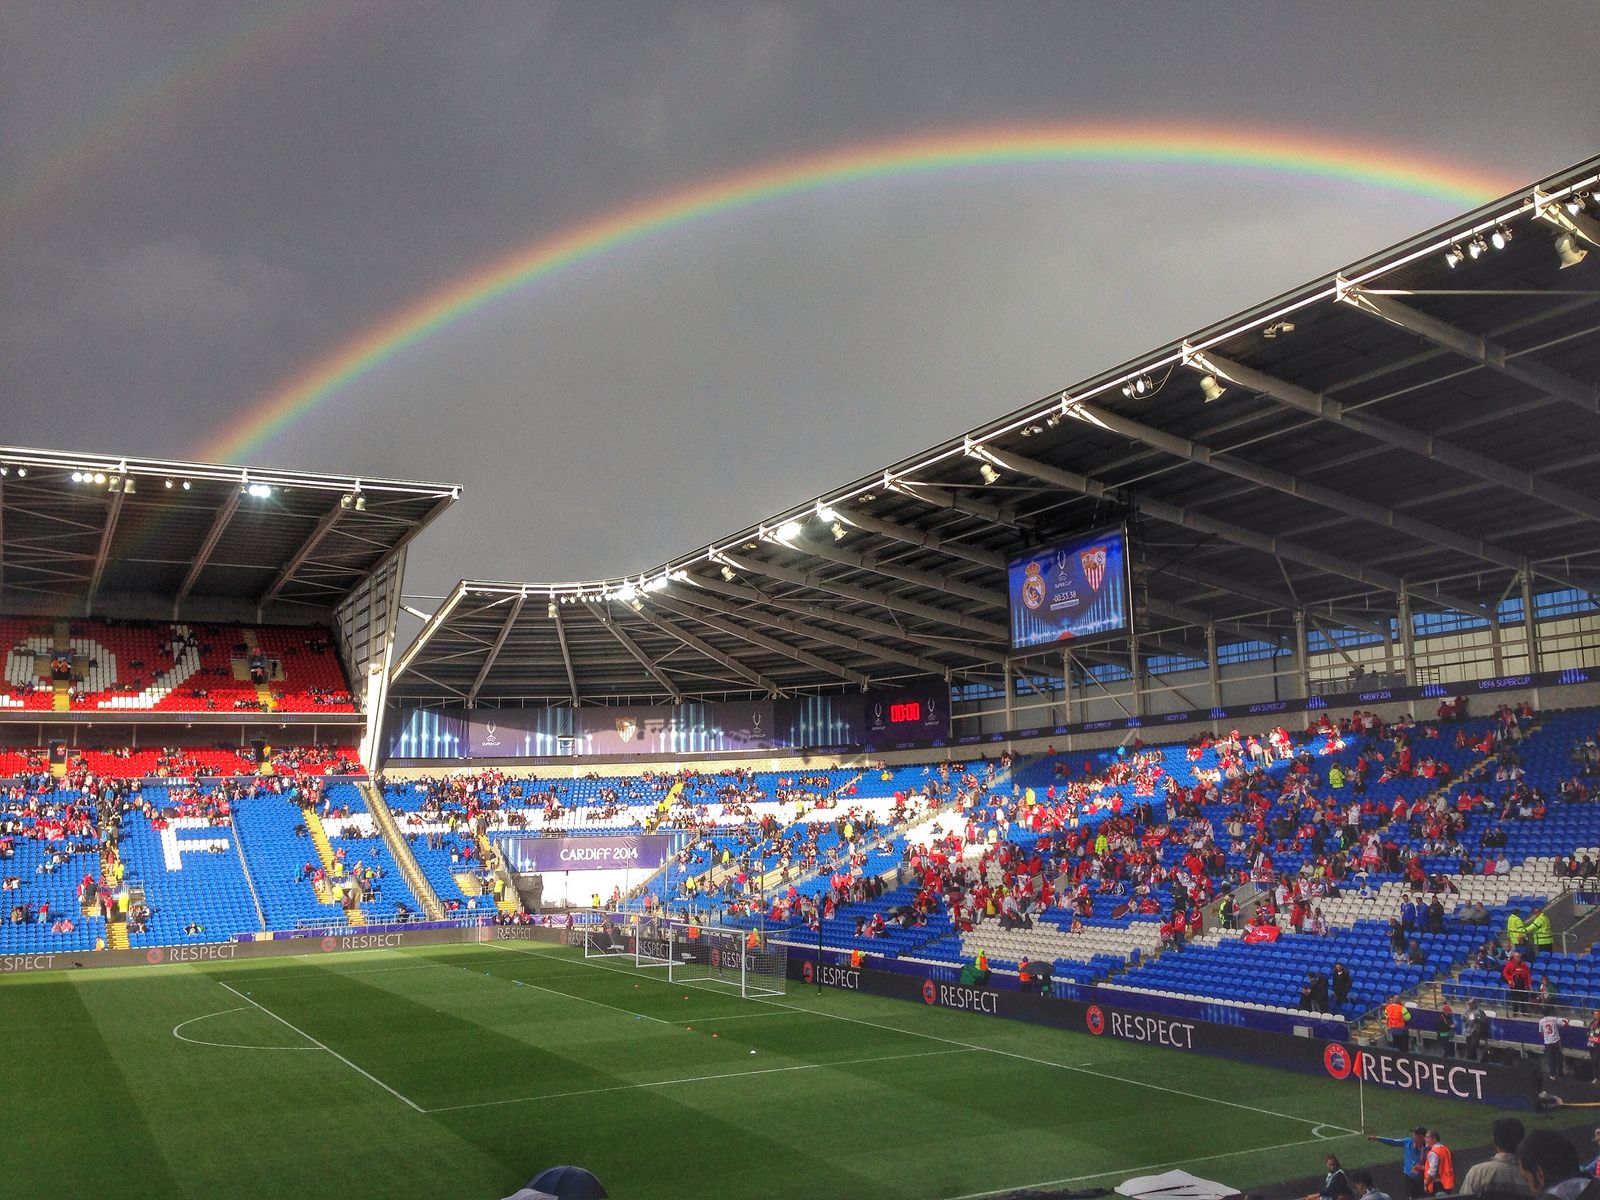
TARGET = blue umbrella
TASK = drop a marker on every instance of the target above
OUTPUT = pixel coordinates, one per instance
(568, 1183)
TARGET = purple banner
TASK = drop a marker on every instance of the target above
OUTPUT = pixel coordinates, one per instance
(535, 856)
(685, 729)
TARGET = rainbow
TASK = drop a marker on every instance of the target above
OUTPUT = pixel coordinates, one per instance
(1269, 152)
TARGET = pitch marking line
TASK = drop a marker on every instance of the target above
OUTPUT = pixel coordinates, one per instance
(554, 992)
(629, 1087)
(1043, 1062)
(409, 1103)
(225, 1045)
(337, 974)
(1179, 1162)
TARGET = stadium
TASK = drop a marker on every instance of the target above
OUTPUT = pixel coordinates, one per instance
(1168, 774)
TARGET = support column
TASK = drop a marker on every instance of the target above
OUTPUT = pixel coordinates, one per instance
(1133, 663)
(1530, 625)
(1302, 657)
(1011, 687)
(1213, 668)
(1407, 638)
(1066, 687)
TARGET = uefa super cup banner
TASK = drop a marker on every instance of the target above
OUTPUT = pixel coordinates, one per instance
(684, 729)
(535, 856)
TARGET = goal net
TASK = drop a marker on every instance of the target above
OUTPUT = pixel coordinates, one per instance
(713, 956)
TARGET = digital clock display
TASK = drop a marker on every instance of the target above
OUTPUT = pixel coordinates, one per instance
(908, 710)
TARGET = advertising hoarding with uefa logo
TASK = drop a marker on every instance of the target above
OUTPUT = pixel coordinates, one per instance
(1073, 591)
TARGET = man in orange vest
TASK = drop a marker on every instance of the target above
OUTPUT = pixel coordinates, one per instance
(1439, 1175)
(1396, 1016)
(856, 958)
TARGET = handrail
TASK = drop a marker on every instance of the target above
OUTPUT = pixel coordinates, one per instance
(238, 845)
(389, 829)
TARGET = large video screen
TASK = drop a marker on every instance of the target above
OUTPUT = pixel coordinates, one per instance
(1072, 591)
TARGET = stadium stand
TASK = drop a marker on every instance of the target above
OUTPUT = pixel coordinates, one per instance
(172, 667)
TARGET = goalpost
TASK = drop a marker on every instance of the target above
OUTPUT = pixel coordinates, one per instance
(718, 956)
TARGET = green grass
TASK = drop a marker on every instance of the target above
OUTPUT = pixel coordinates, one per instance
(457, 1072)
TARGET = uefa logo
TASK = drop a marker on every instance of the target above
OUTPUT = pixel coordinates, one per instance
(930, 992)
(808, 971)
(1340, 1061)
(1095, 1020)
(330, 943)
(155, 955)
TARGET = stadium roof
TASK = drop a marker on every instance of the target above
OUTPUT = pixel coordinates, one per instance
(112, 536)
(1423, 424)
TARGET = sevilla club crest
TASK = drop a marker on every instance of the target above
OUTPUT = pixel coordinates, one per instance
(1094, 566)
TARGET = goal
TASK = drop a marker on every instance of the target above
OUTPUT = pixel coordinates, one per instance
(712, 956)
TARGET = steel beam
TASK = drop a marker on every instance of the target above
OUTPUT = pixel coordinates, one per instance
(566, 656)
(1481, 350)
(643, 659)
(760, 602)
(919, 537)
(938, 497)
(494, 650)
(694, 610)
(1238, 535)
(816, 581)
(1275, 599)
(1304, 489)
(1424, 445)
(219, 525)
(324, 527)
(706, 648)
(923, 579)
(1202, 620)
(102, 554)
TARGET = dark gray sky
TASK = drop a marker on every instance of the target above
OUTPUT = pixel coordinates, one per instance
(199, 198)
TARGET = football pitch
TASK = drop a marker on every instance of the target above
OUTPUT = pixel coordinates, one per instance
(456, 1072)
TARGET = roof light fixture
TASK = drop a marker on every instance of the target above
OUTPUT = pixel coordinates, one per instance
(1568, 250)
(1210, 388)
(837, 530)
(1454, 257)
(1500, 237)
(727, 572)
(1477, 247)
(988, 473)
(788, 531)
(1139, 387)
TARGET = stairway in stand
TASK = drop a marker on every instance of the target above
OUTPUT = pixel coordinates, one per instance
(509, 901)
(61, 701)
(319, 839)
(263, 690)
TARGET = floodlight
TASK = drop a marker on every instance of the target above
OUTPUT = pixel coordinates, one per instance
(346, 500)
(1477, 247)
(827, 513)
(127, 485)
(361, 504)
(727, 572)
(169, 485)
(1570, 253)
(550, 610)
(77, 477)
(1210, 388)
(187, 485)
(656, 584)
(788, 531)
(1454, 256)
(22, 472)
(838, 531)
(259, 490)
(1500, 237)
(989, 474)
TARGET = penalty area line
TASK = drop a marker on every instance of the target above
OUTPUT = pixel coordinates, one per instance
(658, 1083)
(1045, 1062)
(407, 1101)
